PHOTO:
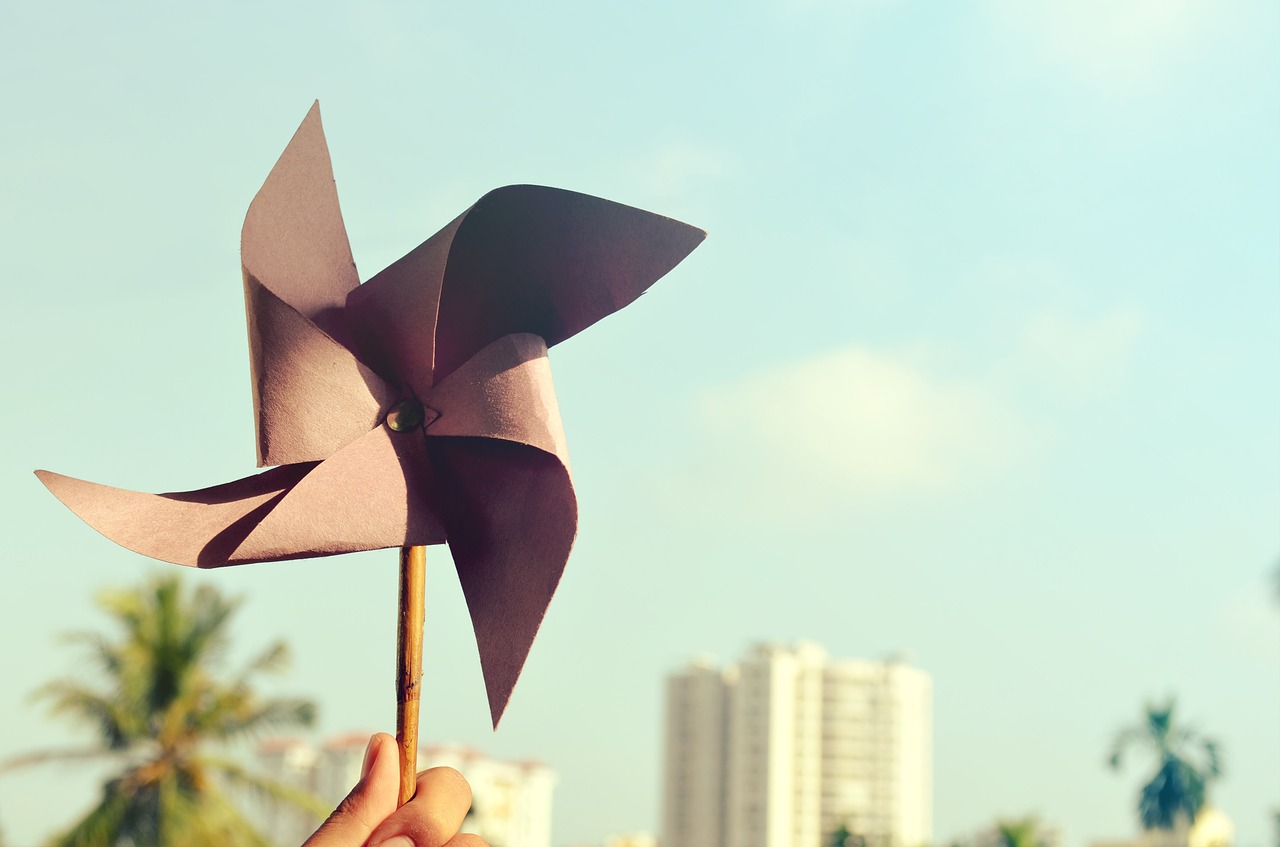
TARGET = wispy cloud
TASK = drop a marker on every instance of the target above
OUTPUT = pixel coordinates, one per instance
(851, 425)
(1080, 355)
(867, 419)
(675, 169)
(1116, 45)
(885, 429)
(843, 6)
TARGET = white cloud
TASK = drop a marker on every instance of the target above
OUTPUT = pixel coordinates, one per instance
(675, 167)
(1114, 44)
(1081, 355)
(1246, 624)
(800, 6)
(887, 429)
(857, 422)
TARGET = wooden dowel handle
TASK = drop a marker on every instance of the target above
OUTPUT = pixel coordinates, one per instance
(413, 570)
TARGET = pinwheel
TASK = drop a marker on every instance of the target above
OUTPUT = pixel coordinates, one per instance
(413, 409)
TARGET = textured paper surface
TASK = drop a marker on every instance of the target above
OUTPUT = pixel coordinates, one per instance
(462, 324)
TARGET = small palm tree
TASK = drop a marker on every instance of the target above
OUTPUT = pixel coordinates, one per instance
(1185, 765)
(845, 837)
(1023, 832)
(159, 711)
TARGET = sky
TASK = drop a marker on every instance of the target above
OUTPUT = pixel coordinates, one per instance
(979, 361)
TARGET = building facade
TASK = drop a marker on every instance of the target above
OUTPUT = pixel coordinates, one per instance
(511, 801)
(785, 746)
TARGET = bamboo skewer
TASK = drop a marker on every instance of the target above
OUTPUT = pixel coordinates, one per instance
(413, 568)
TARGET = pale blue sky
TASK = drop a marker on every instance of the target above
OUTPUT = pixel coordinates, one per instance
(979, 359)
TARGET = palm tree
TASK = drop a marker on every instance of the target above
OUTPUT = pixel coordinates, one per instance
(1185, 765)
(1023, 832)
(845, 837)
(161, 709)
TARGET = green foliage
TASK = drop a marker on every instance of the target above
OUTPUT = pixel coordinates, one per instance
(845, 837)
(1022, 832)
(1185, 765)
(160, 706)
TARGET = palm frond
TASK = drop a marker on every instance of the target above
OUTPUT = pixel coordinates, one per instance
(46, 757)
(219, 823)
(100, 827)
(271, 660)
(267, 789)
(267, 716)
(1213, 759)
(1126, 738)
(115, 722)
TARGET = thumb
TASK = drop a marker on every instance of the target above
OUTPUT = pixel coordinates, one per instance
(369, 803)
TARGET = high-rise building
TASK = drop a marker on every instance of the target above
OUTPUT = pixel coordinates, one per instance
(786, 746)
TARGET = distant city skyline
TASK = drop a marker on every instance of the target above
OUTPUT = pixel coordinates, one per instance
(785, 746)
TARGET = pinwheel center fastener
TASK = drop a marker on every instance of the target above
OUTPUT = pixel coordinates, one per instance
(407, 415)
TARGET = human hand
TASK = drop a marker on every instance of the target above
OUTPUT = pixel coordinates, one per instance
(368, 817)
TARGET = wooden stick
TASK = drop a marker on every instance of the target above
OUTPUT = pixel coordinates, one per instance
(413, 571)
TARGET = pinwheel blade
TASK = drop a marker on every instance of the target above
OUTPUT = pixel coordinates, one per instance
(524, 258)
(195, 528)
(511, 516)
(393, 316)
(294, 247)
(294, 241)
(376, 492)
(313, 397)
(504, 391)
(373, 494)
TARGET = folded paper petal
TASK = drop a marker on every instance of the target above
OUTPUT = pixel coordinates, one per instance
(504, 391)
(511, 517)
(507, 497)
(551, 262)
(195, 528)
(374, 493)
(294, 244)
(313, 396)
(393, 316)
(524, 258)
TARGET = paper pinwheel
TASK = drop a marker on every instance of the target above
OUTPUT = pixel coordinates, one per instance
(416, 408)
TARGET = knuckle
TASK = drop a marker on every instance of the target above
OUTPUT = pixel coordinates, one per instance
(446, 775)
(432, 827)
(445, 779)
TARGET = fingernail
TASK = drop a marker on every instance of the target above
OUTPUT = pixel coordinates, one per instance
(370, 756)
(398, 841)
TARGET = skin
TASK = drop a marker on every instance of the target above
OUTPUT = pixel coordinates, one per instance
(368, 817)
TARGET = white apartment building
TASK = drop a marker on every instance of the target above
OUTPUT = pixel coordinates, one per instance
(785, 746)
(511, 801)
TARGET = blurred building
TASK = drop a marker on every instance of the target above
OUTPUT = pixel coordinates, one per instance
(786, 746)
(1212, 829)
(634, 839)
(510, 807)
(292, 762)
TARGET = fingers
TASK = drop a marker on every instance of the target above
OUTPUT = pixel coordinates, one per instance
(369, 803)
(433, 817)
(467, 840)
(368, 815)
